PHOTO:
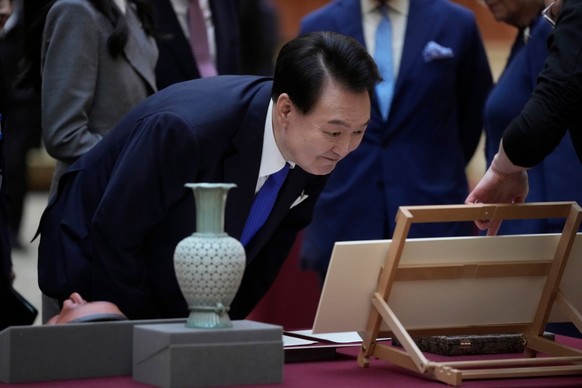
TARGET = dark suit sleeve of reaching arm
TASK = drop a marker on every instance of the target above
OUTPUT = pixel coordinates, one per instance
(555, 103)
(147, 181)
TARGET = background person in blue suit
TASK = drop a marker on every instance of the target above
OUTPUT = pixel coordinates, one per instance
(417, 156)
(111, 230)
(559, 176)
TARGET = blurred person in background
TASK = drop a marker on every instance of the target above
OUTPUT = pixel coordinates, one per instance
(21, 111)
(235, 37)
(92, 60)
(21, 115)
(552, 110)
(196, 38)
(538, 134)
(559, 176)
(260, 36)
(16, 310)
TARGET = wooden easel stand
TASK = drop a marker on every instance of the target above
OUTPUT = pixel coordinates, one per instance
(560, 360)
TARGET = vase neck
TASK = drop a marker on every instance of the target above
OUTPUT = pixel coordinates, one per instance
(210, 203)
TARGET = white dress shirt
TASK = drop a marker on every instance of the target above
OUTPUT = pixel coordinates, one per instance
(271, 158)
(398, 15)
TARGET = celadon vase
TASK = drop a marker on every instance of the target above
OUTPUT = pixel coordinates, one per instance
(209, 264)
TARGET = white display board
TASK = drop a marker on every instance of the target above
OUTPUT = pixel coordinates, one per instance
(469, 300)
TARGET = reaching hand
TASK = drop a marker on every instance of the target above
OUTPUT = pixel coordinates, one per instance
(503, 182)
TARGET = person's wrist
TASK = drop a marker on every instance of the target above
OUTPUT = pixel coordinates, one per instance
(502, 166)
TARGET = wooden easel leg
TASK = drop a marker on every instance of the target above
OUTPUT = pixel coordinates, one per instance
(570, 310)
(369, 339)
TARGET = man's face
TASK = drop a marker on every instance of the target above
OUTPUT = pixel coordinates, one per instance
(318, 140)
(76, 308)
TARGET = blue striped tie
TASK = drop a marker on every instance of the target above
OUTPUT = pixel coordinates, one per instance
(383, 58)
(263, 204)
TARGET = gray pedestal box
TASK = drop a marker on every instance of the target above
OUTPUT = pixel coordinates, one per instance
(172, 355)
(71, 351)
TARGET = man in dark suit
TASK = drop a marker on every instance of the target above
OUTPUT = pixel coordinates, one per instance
(120, 210)
(176, 61)
(417, 153)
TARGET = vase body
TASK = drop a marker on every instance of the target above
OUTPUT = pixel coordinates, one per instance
(209, 264)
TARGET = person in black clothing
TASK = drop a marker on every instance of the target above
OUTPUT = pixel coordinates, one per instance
(15, 309)
(21, 111)
(6, 274)
(553, 109)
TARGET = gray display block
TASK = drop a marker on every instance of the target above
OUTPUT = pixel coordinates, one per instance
(172, 355)
(70, 351)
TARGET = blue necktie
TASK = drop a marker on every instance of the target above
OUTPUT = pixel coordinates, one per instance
(263, 204)
(383, 58)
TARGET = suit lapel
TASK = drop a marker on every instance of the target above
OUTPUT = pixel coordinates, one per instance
(345, 23)
(242, 168)
(139, 49)
(176, 42)
(415, 38)
(345, 18)
(292, 188)
(223, 18)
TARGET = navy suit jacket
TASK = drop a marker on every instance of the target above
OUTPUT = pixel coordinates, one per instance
(176, 62)
(120, 210)
(418, 156)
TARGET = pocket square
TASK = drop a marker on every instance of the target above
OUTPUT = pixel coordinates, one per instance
(299, 199)
(434, 51)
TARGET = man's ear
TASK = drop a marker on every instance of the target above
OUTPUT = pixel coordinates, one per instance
(283, 106)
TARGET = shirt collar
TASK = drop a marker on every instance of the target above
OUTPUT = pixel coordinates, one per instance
(271, 158)
(400, 6)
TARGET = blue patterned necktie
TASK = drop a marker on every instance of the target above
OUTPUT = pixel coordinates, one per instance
(263, 204)
(383, 58)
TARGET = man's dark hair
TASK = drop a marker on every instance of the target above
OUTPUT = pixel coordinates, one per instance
(305, 64)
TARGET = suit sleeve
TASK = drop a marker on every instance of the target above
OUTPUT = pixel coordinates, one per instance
(147, 181)
(555, 103)
(69, 74)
